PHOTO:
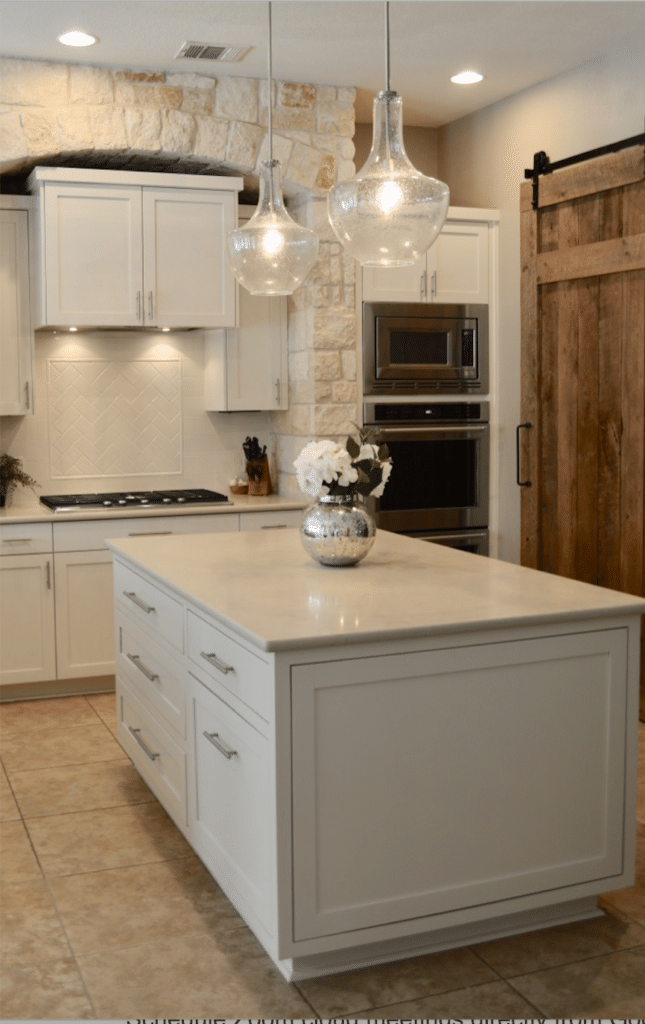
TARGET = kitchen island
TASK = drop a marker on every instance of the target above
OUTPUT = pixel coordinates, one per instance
(426, 750)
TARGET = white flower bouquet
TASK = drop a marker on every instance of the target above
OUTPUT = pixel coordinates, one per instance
(361, 467)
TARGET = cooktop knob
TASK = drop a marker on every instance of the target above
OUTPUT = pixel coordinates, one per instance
(166, 501)
(122, 501)
(181, 499)
(143, 501)
(107, 502)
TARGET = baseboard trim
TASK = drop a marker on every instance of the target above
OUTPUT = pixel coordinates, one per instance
(57, 688)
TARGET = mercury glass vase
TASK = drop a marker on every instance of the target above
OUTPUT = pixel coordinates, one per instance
(337, 530)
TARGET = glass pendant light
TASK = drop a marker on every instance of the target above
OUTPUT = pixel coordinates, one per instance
(271, 254)
(390, 213)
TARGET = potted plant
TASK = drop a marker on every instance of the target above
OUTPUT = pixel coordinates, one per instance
(12, 474)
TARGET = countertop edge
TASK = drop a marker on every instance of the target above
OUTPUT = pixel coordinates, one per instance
(239, 504)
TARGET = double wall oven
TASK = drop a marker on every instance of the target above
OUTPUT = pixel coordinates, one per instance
(439, 486)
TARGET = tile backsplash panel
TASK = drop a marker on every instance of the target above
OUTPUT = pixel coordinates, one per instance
(114, 418)
(167, 427)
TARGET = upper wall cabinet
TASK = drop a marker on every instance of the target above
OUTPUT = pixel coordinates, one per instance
(455, 268)
(129, 249)
(16, 337)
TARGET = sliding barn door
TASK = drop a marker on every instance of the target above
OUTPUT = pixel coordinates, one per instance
(583, 373)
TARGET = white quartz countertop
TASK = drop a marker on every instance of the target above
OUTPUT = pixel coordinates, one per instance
(31, 510)
(267, 589)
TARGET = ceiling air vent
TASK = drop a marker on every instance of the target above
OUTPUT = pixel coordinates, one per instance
(208, 51)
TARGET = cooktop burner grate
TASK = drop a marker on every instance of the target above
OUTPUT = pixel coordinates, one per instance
(133, 499)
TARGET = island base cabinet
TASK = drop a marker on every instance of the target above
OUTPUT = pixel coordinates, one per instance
(430, 782)
(232, 807)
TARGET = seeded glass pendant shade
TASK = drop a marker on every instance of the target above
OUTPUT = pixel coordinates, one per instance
(390, 213)
(271, 254)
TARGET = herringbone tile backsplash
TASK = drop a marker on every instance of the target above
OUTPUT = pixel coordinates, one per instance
(114, 418)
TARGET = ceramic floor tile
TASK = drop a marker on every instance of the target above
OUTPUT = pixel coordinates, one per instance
(590, 988)
(8, 807)
(18, 861)
(357, 991)
(85, 787)
(132, 906)
(54, 747)
(27, 716)
(67, 844)
(493, 1001)
(201, 976)
(550, 947)
(30, 929)
(104, 705)
(50, 991)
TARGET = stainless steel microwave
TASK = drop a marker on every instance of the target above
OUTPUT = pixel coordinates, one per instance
(420, 348)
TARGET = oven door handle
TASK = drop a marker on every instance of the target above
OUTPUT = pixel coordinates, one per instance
(438, 430)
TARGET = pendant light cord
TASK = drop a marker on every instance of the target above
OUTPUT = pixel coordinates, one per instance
(270, 85)
(387, 45)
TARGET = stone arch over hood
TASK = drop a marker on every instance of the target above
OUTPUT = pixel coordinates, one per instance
(88, 116)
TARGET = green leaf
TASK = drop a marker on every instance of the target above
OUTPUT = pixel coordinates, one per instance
(383, 452)
(352, 447)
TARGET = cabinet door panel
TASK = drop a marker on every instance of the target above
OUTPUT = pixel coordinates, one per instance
(27, 638)
(498, 769)
(15, 327)
(395, 284)
(458, 264)
(84, 614)
(187, 281)
(256, 354)
(93, 255)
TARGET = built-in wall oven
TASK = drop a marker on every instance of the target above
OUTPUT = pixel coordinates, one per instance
(439, 486)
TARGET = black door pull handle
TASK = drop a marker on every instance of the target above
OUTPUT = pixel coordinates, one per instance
(520, 426)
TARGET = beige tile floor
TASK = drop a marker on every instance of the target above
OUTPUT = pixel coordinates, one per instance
(106, 913)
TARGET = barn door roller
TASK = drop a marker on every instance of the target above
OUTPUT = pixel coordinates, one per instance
(542, 164)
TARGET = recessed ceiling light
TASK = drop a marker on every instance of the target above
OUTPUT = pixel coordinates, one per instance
(77, 38)
(466, 78)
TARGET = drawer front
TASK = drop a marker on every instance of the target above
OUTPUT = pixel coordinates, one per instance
(160, 761)
(152, 674)
(150, 606)
(25, 538)
(90, 535)
(233, 804)
(220, 658)
(271, 520)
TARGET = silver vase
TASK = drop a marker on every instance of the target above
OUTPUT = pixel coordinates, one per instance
(337, 530)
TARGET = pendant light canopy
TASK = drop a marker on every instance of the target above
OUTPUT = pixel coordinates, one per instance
(271, 254)
(390, 213)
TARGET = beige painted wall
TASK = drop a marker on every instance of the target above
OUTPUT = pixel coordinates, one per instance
(420, 145)
(482, 158)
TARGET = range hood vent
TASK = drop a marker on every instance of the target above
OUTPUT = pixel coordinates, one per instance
(210, 51)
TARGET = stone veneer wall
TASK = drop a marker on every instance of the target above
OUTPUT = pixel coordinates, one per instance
(98, 117)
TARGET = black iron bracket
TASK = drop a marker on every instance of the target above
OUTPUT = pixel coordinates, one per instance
(542, 164)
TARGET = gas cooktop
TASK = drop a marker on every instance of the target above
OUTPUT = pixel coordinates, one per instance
(132, 499)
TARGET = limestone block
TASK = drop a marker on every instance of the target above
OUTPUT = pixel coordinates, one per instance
(191, 81)
(147, 94)
(348, 360)
(90, 85)
(346, 94)
(177, 131)
(281, 150)
(198, 101)
(339, 420)
(300, 366)
(237, 99)
(327, 172)
(326, 93)
(327, 365)
(143, 130)
(299, 330)
(345, 170)
(303, 165)
(294, 119)
(299, 419)
(301, 392)
(41, 132)
(323, 391)
(344, 391)
(296, 95)
(337, 326)
(13, 145)
(210, 137)
(126, 75)
(33, 83)
(336, 117)
(108, 128)
(74, 128)
(243, 145)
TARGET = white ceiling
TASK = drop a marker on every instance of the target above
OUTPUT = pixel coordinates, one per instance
(514, 43)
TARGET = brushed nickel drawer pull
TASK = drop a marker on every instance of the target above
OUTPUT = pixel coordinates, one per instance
(275, 526)
(213, 660)
(147, 751)
(138, 601)
(152, 533)
(214, 738)
(17, 540)
(136, 661)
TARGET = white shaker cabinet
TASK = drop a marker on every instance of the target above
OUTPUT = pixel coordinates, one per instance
(27, 622)
(16, 338)
(455, 268)
(246, 368)
(128, 249)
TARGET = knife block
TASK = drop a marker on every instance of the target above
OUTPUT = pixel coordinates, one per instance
(259, 477)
